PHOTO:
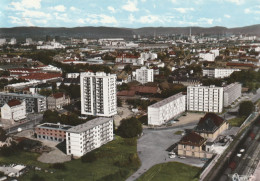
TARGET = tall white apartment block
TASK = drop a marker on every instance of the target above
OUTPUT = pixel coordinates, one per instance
(89, 136)
(98, 94)
(231, 93)
(144, 75)
(218, 72)
(163, 111)
(12, 41)
(205, 98)
(2, 41)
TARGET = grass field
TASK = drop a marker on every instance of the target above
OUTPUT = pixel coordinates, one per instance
(112, 160)
(171, 171)
(237, 121)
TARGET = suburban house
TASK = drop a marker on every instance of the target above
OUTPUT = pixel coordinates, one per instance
(210, 126)
(193, 145)
(14, 110)
(57, 100)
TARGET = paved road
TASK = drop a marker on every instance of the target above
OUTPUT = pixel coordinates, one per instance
(152, 146)
(32, 120)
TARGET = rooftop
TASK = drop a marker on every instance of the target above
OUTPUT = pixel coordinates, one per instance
(14, 102)
(88, 125)
(192, 139)
(209, 123)
(22, 95)
(167, 100)
(54, 126)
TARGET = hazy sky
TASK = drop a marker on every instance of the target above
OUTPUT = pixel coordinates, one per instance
(129, 13)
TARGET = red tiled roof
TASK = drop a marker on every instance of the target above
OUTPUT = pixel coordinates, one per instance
(192, 139)
(240, 64)
(218, 121)
(23, 70)
(126, 93)
(41, 76)
(145, 89)
(71, 60)
(13, 102)
(58, 95)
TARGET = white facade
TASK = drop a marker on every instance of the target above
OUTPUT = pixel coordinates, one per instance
(14, 112)
(218, 72)
(163, 111)
(149, 55)
(72, 75)
(144, 75)
(231, 93)
(205, 98)
(2, 41)
(12, 41)
(207, 56)
(215, 52)
(98, 94)
(89, 136)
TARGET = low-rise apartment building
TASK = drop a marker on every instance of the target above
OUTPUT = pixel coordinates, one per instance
(231, 93)
(34, 103)
(14, 110)
(205, 98)
(51, 131)
(193, 145)
(210, 126)
(57, 100)
(89, 136)
(218, 72)
(161, 112)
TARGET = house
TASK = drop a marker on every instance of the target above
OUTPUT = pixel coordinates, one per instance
(14, 110)
(57, 101)
(193, 145)
(210, 126)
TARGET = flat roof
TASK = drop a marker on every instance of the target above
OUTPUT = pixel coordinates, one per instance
(22, 95)
(231, 85)
(167, 100)
(54, 126)
(88, 125)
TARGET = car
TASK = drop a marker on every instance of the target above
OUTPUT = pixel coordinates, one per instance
(242, 150)
(172, 153)
(239, 154)
(182, 157)
(172, 156)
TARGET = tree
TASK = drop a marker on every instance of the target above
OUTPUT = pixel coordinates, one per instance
(246, 108)
(2, 134)
(130, 128)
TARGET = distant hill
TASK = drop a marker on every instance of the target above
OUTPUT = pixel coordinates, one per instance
(112, 32)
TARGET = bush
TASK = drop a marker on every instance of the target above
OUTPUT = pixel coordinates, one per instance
(89, 157)
(130, 128)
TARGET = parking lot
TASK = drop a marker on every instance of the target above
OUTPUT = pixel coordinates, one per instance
(152, 148)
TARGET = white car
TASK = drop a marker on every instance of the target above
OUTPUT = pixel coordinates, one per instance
(172, 153)
(172, 156)
(242, 150)
(239, 154)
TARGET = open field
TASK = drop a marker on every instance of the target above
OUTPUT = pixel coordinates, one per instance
(112, 161)
(171, 171)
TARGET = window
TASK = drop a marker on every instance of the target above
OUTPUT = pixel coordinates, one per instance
(193, 154)
(192, 147)
(184, 146)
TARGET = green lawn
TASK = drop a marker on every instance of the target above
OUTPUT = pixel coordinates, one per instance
(118, 151)
(237, 121)
(171, 171)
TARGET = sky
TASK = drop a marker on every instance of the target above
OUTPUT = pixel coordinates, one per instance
(129, 13)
